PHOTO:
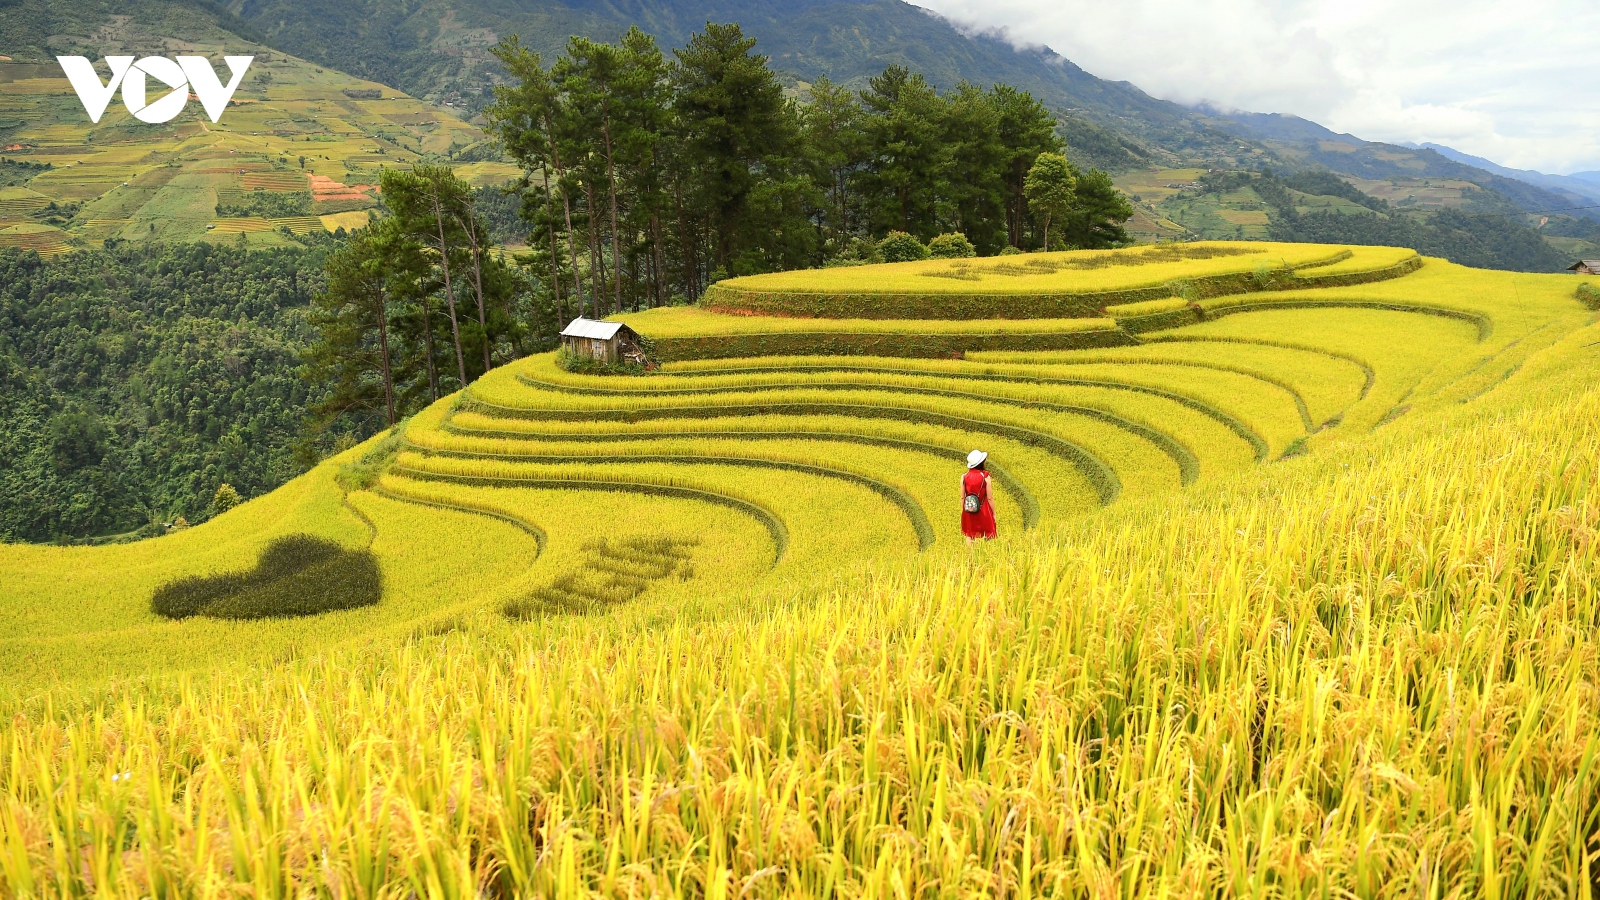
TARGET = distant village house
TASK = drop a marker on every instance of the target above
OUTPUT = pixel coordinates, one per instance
(1585, 267)
(606, 342)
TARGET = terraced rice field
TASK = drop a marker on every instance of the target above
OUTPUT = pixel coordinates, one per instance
(1294, 597)
(1068, 284)
(854, 456)
(241, 225)
(45, 240)
(162, 182)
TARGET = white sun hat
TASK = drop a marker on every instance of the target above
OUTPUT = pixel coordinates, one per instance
(976, 458)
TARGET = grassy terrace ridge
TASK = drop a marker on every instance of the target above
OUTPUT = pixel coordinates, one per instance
(688, 332)
(1299, 599)
(1068, 284)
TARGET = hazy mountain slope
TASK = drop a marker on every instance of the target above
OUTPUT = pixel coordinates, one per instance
(1577, 187)
(1309, 144)
(1291, 129)
(40, 29)
(430, 47)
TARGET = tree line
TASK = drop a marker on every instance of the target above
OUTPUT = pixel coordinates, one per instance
(648, 177)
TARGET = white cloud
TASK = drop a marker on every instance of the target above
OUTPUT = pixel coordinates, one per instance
(1518, 83)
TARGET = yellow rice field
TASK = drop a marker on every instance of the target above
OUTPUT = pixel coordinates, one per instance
(1299, 599)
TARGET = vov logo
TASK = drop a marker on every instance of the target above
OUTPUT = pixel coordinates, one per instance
(184, 74)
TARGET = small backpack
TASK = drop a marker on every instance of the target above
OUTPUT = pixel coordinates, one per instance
(972, 503)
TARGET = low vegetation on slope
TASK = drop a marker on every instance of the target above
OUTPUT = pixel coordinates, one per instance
(1299, 595)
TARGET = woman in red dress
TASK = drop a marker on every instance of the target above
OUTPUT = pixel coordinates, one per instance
(977, 506)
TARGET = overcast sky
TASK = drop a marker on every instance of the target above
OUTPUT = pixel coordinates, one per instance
(1515, 82)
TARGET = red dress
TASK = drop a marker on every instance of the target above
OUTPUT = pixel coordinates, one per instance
(981, 523)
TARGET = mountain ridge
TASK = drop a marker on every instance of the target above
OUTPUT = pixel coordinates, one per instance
(1572, 184)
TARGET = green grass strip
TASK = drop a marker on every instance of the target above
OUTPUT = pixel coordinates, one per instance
(1257, 442)
(1484, 324)
(768, 518)
(1010, 482)
(893, 493)
(1366, 369)
(537, 533)
(1188, 464)
(1099, 473)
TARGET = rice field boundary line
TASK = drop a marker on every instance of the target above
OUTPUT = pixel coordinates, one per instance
(774, 524)
(1098, 471)
(1257, 442)
(540, 539)
(1484, 324)
(372, 527)
(913, 510)
(1188, 464)
(1485, 360)
(740, 299)
(1493, 357)
(1366, 368)
(1013, 484)
(1299, 400)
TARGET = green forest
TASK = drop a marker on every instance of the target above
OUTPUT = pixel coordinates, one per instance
(1481, 240)
(136, 380)
(650, 176)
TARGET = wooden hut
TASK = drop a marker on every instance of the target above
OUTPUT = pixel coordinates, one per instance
(606, 342)
(1585, 267)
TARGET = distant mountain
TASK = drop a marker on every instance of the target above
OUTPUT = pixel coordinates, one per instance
(1586, 176)
(432, 47)
(1578, 187)
(1291, 129)
(438, 49)
(1303, 143)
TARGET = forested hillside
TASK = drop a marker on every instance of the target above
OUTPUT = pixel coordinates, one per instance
(136, 380)
(1492, 240)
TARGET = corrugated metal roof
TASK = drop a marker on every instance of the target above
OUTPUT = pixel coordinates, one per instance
(1586, 263)
(589, 328)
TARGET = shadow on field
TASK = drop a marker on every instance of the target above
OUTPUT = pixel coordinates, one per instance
(297, 575)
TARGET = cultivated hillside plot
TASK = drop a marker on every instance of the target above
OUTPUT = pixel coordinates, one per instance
(1296, 587)
(300, 147)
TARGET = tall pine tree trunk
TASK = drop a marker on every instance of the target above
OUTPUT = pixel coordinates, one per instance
(471, 229)
(685, 244)
(597, 257)
(611, 186)
(383, 349)
(449, 295)
(566, 208)
(555, 256)
(427, 337)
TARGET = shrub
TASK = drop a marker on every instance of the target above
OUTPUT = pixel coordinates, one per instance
(1589, 295)
(297, 575)
(224, 499)
(1011, 251)
(579, 364)
(951, 246)
(364, 472)
(901, 247)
